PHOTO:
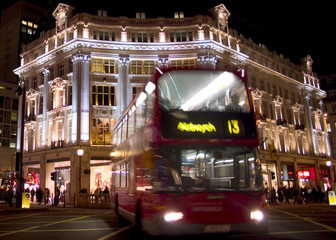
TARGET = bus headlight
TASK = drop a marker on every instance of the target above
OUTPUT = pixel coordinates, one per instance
(173, 216)
(257, 215)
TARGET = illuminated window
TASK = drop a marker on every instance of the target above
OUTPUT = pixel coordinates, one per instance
(103, 95)
(148, 67)
(142, 37)
(178, 14)
(58, 131)
(101, 131)
(97, 65)
(14, 116)
(181, 36)
(103, 66)
(28, 27)
(142, 67)
(183, 64)
(109, 66)
(58, 98)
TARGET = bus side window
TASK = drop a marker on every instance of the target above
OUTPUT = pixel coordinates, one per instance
(131, 123)
(123, 175)
(149, 108)
(140, 115)
(131, 176)
(116, 178)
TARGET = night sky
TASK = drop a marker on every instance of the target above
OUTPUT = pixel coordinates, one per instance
(294, 28)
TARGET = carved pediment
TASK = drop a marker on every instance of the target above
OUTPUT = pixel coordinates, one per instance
(57, 83)
(296, 107)
(278, 100)
(257, 93)
(31, 93)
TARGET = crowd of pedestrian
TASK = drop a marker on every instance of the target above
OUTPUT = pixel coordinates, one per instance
(39, 195)
(299, 195)
(6, 195)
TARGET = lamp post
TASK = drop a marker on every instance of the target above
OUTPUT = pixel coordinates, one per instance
(21, 92)
(80, 153)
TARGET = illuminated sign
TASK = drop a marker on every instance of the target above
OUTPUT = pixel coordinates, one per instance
(215, 125)
(192, 127)
(233, 127)
(303, 174)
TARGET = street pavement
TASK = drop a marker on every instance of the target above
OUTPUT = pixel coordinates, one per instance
(293, 222)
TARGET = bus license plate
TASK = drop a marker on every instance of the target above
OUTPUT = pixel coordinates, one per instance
(218, 228)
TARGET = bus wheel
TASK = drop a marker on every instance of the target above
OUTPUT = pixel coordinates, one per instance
(138, 223)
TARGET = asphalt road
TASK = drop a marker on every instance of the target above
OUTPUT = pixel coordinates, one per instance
(306, 222)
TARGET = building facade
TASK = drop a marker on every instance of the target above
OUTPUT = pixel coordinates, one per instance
(82, 74)
(19, 25)
(329, 106)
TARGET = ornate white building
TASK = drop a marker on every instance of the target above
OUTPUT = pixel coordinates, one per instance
(80, 76)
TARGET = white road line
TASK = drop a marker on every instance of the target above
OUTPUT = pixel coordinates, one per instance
(45, 225)
(308, 220)
(115, 233)
(21, 216)
(277, 233)
(73, 230)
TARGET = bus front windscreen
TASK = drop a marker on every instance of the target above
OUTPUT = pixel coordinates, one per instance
(201, 169)
(217, 91)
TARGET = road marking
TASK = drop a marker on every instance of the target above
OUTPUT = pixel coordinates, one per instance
(308, 220)
(115, 233)
(45, 225)
(73, 230)
(21, 216)
(275, 233)
(296, 232)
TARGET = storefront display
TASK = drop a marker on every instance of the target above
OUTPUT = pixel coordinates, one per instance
(306, 176)
(101, 174)
(62, 179)
(287, 174)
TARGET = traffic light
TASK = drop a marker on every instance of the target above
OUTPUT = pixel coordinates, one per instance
(53, 176)
(273, 175)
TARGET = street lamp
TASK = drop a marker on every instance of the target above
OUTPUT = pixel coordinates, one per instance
(21, 92)
(80, 153)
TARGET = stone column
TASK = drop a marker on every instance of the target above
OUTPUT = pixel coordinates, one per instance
(207, 61)
(74, 113)
(309, 125)
(123, 94)
(296, 179)
(84, 106)
(163, 62)
(45, 107)
(43, 175)
(81, 99)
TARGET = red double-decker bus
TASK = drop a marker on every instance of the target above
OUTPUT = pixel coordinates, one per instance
(185, 159)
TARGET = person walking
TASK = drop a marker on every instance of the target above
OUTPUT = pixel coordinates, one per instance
(57, 196)
(46, 195)
(286, 194)
(280, 195)
(39, 195)
(32, 193)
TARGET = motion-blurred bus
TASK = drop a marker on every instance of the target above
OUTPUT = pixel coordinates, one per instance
(185, 156)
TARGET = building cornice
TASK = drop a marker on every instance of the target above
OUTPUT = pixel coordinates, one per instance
(129, 47)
